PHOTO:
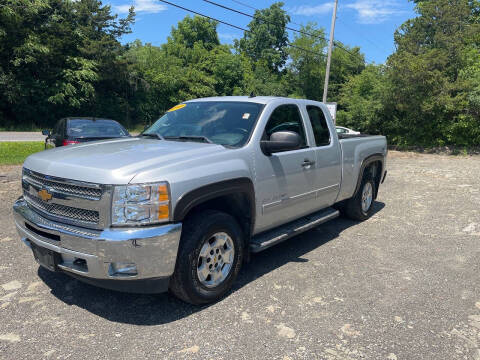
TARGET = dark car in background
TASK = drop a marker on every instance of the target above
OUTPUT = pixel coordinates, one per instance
(74, 130)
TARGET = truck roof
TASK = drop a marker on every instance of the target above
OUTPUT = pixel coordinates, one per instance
(253, 99)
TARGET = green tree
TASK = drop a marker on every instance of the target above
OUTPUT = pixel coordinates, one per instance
(55, 54)
(267, 37)
(308, 62)
(63, 58)
(194, 30)
(346, 62)
(432, 102)
(230, 72)
(362, 100)
(191, 64)
(307, 68)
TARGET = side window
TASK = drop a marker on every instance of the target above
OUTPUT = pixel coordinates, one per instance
(286, 118)
(319, 125)
(57, 128)
(63, 125)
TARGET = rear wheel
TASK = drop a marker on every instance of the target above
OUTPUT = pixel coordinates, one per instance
(360, 206)
(209, 257)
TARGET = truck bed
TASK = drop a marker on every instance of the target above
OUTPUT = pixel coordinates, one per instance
(355, 149)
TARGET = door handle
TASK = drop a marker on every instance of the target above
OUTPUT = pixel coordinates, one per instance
(308, 162)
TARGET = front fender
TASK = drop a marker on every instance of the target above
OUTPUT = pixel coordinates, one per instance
(208, 192)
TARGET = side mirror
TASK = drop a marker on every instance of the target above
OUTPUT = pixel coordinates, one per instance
(46, 132)
(281, 141)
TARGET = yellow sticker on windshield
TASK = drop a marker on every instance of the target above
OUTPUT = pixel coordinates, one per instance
(177, 107)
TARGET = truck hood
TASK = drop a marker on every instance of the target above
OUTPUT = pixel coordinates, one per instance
(116, 161)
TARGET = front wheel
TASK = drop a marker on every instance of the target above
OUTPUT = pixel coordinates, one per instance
(360, 206)
(209, 258)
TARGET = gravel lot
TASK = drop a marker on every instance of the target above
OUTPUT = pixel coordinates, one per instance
(402, 285)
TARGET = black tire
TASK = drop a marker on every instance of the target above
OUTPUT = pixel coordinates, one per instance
(353, 206)
(197, 229)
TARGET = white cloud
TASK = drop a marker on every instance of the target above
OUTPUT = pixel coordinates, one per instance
(308, 10)
(368, 11)
(141, 6)
(374, 11)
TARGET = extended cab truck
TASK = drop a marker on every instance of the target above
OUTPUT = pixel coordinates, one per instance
(182, 205)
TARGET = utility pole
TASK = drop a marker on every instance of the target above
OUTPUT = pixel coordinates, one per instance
(329, 57)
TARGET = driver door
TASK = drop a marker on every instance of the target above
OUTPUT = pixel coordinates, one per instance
(285, 180)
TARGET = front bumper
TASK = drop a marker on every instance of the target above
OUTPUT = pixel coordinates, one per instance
(90, 255)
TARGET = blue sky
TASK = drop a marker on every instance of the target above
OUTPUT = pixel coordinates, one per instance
(369, 24)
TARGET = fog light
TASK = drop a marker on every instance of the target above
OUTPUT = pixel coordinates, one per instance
(122, 269)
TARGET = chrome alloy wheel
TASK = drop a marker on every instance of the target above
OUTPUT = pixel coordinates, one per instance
(367, 197)
(215, 260)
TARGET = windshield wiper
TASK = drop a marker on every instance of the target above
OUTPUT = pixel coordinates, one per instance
(153, 135)
(190, 137)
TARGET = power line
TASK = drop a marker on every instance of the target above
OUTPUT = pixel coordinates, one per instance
(208, 17)
(253, 8)
(246, 5)
(234, 26)
(269, 22)
(337, 45)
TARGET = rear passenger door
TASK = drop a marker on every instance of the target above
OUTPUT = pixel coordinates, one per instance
(285, 180)
(327, 157)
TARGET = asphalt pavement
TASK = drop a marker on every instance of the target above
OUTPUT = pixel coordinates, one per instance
(402, 285)
(21, 136)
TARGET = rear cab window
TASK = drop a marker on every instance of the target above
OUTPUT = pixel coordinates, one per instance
(319, 125)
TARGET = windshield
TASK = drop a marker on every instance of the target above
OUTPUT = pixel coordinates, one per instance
(94, 128)
(220, 122)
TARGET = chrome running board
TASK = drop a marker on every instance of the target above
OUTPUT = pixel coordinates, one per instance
(272, 237)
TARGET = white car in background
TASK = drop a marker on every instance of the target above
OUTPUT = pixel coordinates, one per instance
(346, 131)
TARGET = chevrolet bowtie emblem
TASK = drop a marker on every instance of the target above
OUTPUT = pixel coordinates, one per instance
(45, 195)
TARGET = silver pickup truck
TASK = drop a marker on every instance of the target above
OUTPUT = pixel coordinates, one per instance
(182, 205)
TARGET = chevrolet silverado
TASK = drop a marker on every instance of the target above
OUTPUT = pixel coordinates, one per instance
(183, 205)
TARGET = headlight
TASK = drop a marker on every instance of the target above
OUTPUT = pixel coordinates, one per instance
(139, 204)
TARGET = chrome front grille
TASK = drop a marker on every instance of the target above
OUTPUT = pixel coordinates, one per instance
(68, 201)
(60, 186)
(76, 214)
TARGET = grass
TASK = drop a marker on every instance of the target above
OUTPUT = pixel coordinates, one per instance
(13, 153)
(137, 129)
